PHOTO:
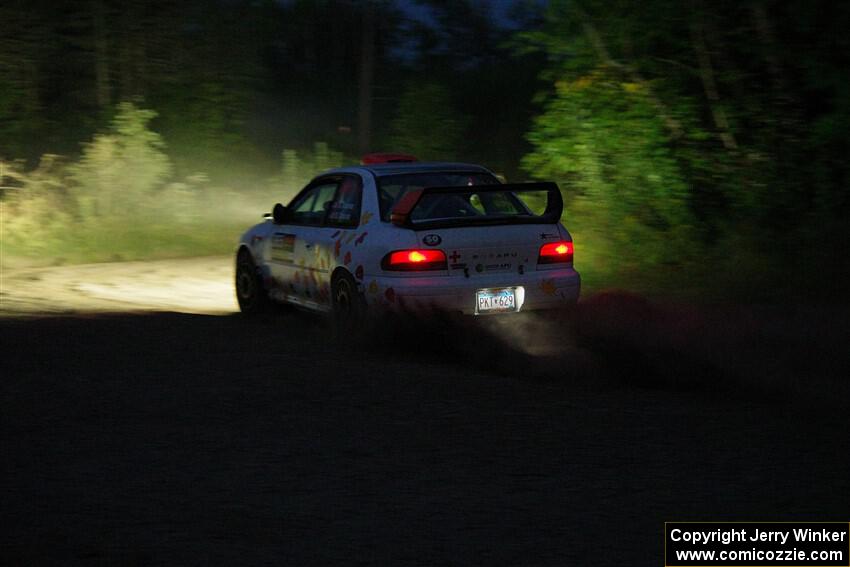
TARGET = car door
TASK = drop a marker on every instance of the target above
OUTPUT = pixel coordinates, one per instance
(320, 248)
(287, 248)
(305, 215)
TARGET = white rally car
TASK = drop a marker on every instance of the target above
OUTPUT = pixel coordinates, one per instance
(400, 234)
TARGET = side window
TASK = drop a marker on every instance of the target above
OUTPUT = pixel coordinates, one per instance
(345, 209)
(310, 207)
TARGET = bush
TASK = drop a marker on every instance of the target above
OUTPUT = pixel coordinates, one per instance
(121, 170)
(120, 201)
(116, 202)
(36, 219)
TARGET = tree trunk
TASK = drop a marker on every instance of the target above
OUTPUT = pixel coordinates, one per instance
(765, 35)
(709, 84)
(125, 57)
(367, 77)
(101, 56)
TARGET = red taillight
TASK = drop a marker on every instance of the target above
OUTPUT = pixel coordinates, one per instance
(556, 253)
(415, 260)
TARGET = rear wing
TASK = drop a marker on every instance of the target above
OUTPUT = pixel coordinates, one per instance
(521, 196)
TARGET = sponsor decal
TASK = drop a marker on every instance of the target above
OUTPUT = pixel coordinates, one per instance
(337, 245)
(360, 239)
(495, 256)
(365, 218)
(282, 247)
(390, 295)
(544, 236)
(347, 259)
(548, 287)
(431, 239)
(358, 273)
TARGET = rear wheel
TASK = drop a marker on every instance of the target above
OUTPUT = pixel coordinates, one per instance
(250, 291)
(349, 308)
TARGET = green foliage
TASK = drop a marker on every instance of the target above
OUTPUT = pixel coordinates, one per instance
(35, 217)
(426, 123)
(694, 150)
(710, 130)
(299, 168)
(121, 169)
(119, 201)
(624, 194)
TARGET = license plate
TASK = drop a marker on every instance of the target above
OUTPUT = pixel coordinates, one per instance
(495, 300)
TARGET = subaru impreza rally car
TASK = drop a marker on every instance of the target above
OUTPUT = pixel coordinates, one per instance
(395, 233)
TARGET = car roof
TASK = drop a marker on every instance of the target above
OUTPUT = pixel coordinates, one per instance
(382, 169)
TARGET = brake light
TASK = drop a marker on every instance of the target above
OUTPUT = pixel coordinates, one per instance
(555, 253)
(415, 260)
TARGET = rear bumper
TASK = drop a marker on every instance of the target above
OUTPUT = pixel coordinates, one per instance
(543, 289)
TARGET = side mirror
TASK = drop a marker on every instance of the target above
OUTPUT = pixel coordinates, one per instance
(279, 214)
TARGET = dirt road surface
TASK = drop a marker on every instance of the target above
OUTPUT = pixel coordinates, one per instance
(197, 285)
(143, 423)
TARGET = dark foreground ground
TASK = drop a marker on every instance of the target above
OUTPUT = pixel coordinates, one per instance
(196, 440)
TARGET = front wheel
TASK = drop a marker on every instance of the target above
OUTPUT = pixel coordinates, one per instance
(250, 292)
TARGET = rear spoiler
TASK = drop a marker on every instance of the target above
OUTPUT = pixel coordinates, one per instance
(400, 213)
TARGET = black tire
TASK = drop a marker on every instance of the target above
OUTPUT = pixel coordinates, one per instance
(251, 294)
(348, 305)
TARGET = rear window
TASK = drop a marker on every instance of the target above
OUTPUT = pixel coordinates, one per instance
(474, 205)
(392, 187)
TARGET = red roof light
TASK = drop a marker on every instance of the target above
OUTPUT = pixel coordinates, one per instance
(370, 159)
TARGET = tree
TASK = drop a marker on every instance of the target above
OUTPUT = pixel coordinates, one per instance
(24, 36)
(426, 123)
